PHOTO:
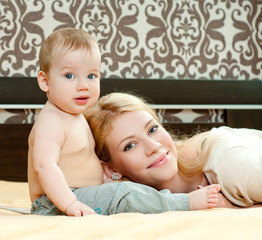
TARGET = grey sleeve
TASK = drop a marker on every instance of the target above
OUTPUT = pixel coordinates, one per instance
(134, 197)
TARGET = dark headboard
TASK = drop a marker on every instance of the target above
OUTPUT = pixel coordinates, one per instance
(241, 102)
(22, 90)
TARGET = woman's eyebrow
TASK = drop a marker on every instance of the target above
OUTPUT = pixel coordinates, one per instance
(126, 138)
(149, 122)
(131, 136)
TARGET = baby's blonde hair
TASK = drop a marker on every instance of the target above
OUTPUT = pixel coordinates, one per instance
(64, 39)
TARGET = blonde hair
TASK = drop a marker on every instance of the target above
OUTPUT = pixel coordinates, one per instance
(109, 107)
(63, 39)
(189, 169)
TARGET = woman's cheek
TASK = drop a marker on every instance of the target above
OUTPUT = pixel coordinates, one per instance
(124, 164)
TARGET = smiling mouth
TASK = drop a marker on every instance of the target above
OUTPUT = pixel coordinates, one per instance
(160, 161)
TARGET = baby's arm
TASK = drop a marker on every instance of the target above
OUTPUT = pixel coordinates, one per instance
(205, 197)
(141, 198)
(48, 141)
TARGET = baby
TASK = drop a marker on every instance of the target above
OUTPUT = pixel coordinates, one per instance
(61, 146)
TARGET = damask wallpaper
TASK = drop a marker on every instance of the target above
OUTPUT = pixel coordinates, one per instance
(28, 116)
(176, 39)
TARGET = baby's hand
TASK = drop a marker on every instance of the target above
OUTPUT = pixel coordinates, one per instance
(78, 209)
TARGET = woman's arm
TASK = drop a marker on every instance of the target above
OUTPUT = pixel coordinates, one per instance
(224, 203)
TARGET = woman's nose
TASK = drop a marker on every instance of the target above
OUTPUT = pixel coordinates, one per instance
(82, 84)
(152, 146)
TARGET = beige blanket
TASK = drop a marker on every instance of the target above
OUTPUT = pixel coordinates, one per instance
(207, 224)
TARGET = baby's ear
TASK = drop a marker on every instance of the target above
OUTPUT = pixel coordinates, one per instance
(108, 170)
(42, 81)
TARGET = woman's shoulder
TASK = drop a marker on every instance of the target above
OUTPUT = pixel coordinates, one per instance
(236, 132)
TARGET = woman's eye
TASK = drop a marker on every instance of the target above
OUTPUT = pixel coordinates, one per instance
(69, 76)
(91, 76)
(129, 146)
(153, 129)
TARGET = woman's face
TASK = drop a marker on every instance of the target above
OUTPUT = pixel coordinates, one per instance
(142, 150)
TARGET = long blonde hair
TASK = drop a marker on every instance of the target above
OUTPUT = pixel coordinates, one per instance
(109, 107)
(191, 168)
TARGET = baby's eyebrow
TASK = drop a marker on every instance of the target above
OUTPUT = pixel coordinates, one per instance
(67, 67)
(94, 70)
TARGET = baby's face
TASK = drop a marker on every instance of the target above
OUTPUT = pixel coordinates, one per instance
(74, 80)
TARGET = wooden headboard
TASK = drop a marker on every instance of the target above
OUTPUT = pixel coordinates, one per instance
(241, 102)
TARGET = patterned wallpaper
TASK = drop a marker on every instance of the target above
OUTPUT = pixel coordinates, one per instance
(198, 39)
(28, 116)
(177, 39)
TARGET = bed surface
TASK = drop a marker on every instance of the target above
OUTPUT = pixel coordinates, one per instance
(205, 224)
(246, 100)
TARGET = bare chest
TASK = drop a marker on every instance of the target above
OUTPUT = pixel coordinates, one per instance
(78, 141)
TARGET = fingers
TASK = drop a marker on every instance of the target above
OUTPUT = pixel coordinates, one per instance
(78, 209)
(87, 212)
(213, 188)
(212, 195)
(77, 214)
(83, 213)
(211, 205)
(212, 201)
(217, 187)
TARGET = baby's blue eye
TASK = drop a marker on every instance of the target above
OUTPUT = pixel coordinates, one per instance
(91, 76)
(69, 75)
(129, 146)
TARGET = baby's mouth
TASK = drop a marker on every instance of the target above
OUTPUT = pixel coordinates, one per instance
(81, 100)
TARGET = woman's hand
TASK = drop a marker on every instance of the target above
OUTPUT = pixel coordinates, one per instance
(224, 203)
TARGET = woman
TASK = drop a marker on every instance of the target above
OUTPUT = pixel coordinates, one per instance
(132, 143)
